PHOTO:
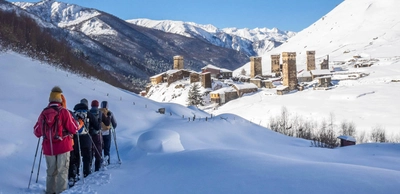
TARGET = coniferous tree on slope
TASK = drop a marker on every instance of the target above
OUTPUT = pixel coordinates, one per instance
(194, 96)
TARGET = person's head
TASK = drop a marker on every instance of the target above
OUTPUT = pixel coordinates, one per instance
(56, 95)
(85, 101)
(95, 103)
(104, 104)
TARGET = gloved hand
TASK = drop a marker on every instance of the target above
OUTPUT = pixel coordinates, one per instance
(109, 113)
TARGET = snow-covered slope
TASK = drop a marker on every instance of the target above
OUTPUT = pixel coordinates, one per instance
(169, 154)
(369, 28)
(366, 28)
(251, 41)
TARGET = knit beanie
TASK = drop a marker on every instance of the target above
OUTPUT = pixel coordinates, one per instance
(55, 94)
(95, 103)
(85, 101)
(104, 104)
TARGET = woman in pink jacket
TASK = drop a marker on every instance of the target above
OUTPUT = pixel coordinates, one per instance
(56, 125)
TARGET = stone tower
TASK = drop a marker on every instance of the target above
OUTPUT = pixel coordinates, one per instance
(255, 66)
(206, 80)
(275, 64)
(325, 63)
(310, 60)
(289, 70)
(178, 62)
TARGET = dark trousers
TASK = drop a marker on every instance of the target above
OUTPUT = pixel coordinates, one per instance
(87, 160)
(107, 145)
(97, 151)
(74, 163)
(86, 152)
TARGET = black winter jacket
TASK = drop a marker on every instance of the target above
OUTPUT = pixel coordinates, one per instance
(85, 140)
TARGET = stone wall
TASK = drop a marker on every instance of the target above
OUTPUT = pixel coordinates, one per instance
(289, 70)
(257, 82)
(310, 60)
(194, 77)
(206, 80)
(275, 64)
(178, 62)
(255, 66)
(325, 63)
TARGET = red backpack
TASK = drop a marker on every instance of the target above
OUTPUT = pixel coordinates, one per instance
(52, 128)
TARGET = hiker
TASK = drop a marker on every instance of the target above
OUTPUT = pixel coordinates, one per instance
(56, 125)
(90, 126)
(96, 137)
(105, 129)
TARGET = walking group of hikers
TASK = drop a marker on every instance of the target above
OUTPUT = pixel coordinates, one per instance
(72, 136)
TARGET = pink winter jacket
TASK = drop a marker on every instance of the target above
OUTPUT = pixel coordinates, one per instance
(67, 122)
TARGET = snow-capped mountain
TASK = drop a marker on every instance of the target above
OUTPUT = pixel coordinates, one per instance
(254, 42)
(107, 42)
(60, 14)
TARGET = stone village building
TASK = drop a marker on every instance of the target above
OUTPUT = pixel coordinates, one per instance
(216, 72)
(177, 73)
(237, 90)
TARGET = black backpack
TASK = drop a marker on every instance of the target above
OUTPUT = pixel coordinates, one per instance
(97, 115)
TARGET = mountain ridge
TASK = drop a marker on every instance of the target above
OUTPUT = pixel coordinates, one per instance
(131, 53)
(253, 42)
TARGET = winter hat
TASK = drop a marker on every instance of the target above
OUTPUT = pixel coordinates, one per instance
(104, 104)
(95, 103)
(55, 94)
(85, 101)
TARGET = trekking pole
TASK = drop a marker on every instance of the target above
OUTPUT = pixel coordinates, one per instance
(34, 160)
(80, 158)
(115, 141)
(40, 161)
(97, 150)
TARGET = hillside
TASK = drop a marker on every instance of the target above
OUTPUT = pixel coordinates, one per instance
(126, 51)
(253, 42)
(169, 154)
(353, 28)
(370, 102)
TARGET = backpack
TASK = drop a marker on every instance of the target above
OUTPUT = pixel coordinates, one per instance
(96, 114)
(52, 127)
(83, 119)
(103, 126)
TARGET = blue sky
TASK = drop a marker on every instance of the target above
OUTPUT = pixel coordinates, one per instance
(293, 15)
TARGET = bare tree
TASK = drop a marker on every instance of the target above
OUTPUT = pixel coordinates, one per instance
(347, 128)
(362, 137)
(378, 134)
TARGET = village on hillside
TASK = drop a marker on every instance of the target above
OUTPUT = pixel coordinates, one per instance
(284, 77)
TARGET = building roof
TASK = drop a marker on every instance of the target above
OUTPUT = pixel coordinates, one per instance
(323, 77)
(172, 71)
(226, 70)
(282, 87)
(160, 74)
(209, 66)
(223, 90)
(321, 72)
(304, 74)
(347, 138)
(241, 86)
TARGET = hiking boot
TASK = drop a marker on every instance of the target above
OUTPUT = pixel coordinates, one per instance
(71, 182)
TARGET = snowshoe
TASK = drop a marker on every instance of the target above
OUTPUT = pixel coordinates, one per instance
(71, 182)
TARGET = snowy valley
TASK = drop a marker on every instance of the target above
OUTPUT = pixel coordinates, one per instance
(228, 148)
